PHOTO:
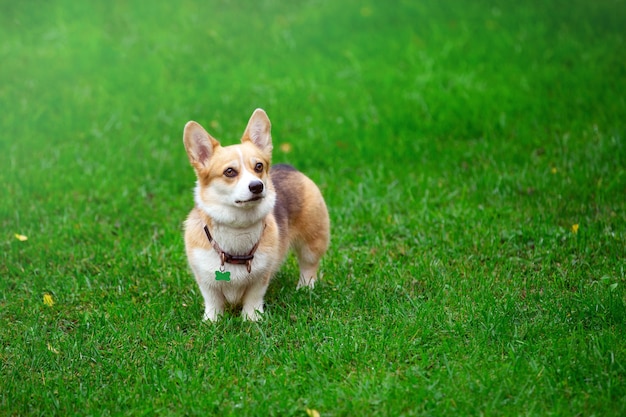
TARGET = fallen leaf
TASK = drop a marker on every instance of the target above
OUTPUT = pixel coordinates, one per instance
(286, 147)
(52, 349)
(21, 238)
(47, 300)
(312, 413)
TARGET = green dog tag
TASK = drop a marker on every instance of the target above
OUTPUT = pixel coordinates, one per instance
(222, 276)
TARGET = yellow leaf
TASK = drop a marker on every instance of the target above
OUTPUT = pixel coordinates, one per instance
(21, 238)
(554, 170)
(52, 349)
(312, 413)
(575, 228)
(47, 300)
(286, 147)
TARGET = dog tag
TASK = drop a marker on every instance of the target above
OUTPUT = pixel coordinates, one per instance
(222, 276)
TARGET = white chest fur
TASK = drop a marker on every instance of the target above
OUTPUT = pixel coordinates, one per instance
(205, 263)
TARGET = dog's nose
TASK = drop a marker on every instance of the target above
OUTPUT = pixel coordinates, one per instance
(256, 187)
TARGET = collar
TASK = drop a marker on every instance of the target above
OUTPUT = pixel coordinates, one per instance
(226, 257)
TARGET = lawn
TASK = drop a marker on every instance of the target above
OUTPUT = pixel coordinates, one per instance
(472, 156)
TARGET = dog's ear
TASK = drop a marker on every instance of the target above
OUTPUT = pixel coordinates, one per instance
(199, 145)
(258, 131)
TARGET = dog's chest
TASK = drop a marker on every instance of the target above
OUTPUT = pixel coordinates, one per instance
(208, 267)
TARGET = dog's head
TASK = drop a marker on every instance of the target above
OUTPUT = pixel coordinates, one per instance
(233, 185)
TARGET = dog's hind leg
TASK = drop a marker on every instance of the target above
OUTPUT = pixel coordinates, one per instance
(311, 243)
(309, 262)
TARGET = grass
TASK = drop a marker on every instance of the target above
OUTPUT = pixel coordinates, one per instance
(472, 156)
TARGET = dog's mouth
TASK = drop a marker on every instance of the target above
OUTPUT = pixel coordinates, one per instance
(251, 200)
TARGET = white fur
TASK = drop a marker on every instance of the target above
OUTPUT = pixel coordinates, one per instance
(236, 291)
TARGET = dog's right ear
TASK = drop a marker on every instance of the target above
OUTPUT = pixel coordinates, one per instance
(199, 145)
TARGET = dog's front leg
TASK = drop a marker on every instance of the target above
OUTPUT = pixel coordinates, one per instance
(253, 305)
(213, 303)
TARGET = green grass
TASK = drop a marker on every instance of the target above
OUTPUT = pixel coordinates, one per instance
(456, 143)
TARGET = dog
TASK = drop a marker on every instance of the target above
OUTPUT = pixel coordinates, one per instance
(247, 216)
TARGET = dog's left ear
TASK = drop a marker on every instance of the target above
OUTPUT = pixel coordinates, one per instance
(258, 131)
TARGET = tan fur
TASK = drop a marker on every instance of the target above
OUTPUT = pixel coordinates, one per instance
(290, 212)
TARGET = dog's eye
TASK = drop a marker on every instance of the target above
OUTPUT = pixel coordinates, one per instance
(230, 173)
(258, 167)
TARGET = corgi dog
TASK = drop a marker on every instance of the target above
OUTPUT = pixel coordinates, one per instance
(246, 218)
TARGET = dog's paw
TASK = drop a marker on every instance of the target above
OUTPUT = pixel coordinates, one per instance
(211, 315)
(308, 276)
(306, 282)
(256, 316)
(252, 314)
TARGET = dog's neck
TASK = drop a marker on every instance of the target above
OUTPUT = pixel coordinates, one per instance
(235, 240)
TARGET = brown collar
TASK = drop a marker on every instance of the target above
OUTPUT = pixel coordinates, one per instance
(232, 259)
